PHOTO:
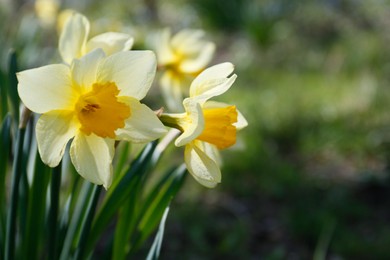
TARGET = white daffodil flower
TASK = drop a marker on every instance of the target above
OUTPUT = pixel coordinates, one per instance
(74, 41)
(95, 100)
(207, 126)
(182, 57)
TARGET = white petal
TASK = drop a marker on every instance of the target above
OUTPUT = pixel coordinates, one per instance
(201, 166)
(219, 71)
(110, 42)
(200, 61)
(92, 157)
(171, 87)
(74, 37)
(188, 41)
(142, 126)
(241, 121)
(194, 125)
(53, 131)
(212, 88)
(163, 48)
(132, 71)
(84, 70)
(46, 88)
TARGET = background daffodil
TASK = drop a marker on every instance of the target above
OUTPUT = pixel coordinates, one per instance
(74, 41)
(95, 100)
(207, 126)
(182, 57)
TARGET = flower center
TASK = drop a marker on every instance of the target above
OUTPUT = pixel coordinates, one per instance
(219, 129)
(99, 111)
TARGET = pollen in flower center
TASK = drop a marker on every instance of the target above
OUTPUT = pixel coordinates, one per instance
(219, 129)
(100, 112)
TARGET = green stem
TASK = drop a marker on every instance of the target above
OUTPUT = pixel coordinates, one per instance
(86, 226)
(53, 214)
(11, 216)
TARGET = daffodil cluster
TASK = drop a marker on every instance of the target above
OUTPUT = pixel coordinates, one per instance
(93, 99)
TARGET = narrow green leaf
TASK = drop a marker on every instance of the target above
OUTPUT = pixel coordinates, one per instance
(121, 162)
(12, 212)
(36, 211)
(155, 204)
(86, 225)
(3, 96)
(55, 186)
(13, 85)
(154, 251)
(116, 197)
(76, 220)
(126, 221)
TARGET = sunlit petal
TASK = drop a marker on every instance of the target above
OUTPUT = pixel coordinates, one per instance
(241, 121)
(84, 70)
(194, 125)
(46, 88)
(110, 42)
(201, 61)
(132, 71)
(74, 37)
(92, 157)
(142, 126)
(202, 167)
(53, 131)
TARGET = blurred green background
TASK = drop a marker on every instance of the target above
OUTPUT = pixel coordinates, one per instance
(309, 176)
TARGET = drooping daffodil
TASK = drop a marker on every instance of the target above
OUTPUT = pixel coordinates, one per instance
(207, 126)
(182, 57)
(96, 101)
(74, 43)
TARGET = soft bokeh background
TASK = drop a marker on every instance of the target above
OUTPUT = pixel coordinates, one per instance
(309, 176)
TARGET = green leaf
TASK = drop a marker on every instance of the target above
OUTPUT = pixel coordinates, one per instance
(55, 186)
(36, 211)
(13, 85)
(154, 251)
(75, 223)
(116, 197)
(3, 96)
(156, 202)
(10, 240)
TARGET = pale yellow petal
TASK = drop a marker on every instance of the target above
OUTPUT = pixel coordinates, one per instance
(53, 131)
(201, 60)
(84, 70)
(92, 158)
(241, 121)
(188, 41)
(194, 124)
(219, 71)
(164, 52)
(73, 37)
(142, 126)
(110, 42)
(132, 71)
(46, 88)
(201, 166)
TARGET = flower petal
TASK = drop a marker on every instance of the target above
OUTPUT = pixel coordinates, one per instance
(219, 71)
(132, 71)
(142, 126)
(201, 166)
(110, 42)
(194, 123)
(171, 86)
(84, 70)
(53, 131)
(188, 41)
(200, 61)
(241, 121)
(46, 88)
(92, 157)
(74, 37)
(163, 48)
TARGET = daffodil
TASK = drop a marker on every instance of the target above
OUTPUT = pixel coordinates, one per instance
(182, 57)
(73, 42)
(207, 126)
(95, 101)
